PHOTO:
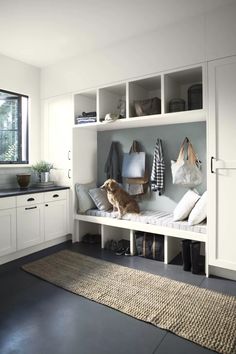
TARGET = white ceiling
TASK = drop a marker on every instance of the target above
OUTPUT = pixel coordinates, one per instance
(42, 32)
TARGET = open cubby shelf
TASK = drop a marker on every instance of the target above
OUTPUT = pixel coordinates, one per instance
(121, 99)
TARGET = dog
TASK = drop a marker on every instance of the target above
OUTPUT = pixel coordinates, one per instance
(119, 198)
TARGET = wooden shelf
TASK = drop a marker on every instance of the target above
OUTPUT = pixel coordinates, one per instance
(147, 121)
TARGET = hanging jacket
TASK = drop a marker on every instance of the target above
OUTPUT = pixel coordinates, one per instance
(158, 169)
(112, 165)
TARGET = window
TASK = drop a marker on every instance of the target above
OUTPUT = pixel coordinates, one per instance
(13, 128)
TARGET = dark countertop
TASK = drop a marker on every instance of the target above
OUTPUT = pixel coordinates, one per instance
(17, 191)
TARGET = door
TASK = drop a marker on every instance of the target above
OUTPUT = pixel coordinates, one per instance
(57, 137)
(55, 219)
(30, 229)
(7, 231)
(222, 167)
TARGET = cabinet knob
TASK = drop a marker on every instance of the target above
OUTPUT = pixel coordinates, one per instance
(46, 205)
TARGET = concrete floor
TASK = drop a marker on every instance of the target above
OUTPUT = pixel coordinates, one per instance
(37, 317)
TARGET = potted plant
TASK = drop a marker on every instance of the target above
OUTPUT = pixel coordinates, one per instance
(42, 168)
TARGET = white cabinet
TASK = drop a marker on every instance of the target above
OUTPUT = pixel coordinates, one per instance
(57, 137)
(222, 172)
(41, 217)
(30, 229)
(8, 225)
(55, 215)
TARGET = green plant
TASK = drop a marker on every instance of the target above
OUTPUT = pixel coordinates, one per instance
(42, 166)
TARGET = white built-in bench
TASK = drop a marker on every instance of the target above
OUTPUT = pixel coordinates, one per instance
(157, 222)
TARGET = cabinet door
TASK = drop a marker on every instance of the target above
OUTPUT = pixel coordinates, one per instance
(57, 136)
(30, 230)
(7, 231)
(222, 170)
(55, 219)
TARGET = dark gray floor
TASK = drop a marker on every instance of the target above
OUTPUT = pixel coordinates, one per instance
(37, 317)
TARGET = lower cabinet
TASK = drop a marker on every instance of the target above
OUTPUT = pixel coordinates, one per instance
(55, 220)
(41, 217)
(7, 231)
(30, 226)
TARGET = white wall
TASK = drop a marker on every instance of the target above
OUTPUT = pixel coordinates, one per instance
(22, 78)
(197, 40)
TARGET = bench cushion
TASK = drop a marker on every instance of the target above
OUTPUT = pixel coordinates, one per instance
(159, 218)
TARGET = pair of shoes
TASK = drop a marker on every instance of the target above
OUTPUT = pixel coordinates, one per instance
(191, 255)
(123, 251)
(91, 238)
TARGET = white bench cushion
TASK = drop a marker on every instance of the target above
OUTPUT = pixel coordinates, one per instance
(159, 218)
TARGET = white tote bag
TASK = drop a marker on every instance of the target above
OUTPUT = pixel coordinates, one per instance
(186, 169)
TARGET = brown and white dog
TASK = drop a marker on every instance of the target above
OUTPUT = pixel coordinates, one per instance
(119, 198)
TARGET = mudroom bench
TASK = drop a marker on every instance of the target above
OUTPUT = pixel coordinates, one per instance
(157, 222)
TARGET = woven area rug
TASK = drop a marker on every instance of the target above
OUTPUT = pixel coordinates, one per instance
(199, 315)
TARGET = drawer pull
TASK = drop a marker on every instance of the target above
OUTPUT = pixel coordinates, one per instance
(30, 199)
(55, 196)
(46, 205)
(34, 207)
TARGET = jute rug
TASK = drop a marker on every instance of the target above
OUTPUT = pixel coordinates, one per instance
(199, 315)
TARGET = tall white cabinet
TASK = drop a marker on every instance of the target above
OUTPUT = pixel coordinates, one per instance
(57, 137)
(222, 169)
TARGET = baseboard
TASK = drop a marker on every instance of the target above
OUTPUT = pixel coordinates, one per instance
(27, 251)
(222, 272)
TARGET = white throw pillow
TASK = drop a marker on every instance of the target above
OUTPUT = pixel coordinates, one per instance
(85, 202)
(199, 212)
(185, 205)
(99, 197)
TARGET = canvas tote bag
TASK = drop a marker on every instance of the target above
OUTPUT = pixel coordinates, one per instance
(186, 169)
(135, 185)
(133, 163)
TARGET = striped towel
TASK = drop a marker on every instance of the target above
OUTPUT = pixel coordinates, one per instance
(158, 169)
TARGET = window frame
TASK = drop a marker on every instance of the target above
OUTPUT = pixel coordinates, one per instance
(19, 131)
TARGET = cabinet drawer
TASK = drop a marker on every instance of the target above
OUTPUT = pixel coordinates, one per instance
(7, 203)
(29, 199)
(55, 195)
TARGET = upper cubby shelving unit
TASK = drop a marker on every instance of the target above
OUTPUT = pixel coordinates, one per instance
(168, 98)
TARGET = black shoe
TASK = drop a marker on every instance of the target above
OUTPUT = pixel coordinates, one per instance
(127, 252)
(195, 256)
(120, 251)
(186, 255)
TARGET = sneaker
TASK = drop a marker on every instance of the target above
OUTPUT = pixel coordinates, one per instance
(127, 252)
(120, 251)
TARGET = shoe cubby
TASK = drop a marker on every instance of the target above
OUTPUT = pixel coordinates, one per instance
(144, 89)
(109, 233)
(84, 227)
(85, 104)
(176, 90)
(112, 100)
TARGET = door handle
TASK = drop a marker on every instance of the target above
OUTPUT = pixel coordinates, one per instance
(69, 155)
(69, 173)
(30, 199)
(34, 207)
(212, 160)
